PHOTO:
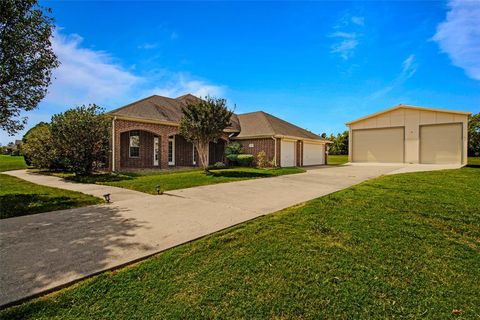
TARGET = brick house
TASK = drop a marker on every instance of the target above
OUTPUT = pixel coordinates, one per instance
(145, 135)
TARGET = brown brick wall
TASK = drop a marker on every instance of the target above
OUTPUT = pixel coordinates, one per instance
(299, 147)
(183, 152)
(145, 160)
(263, 144)
(216, 152)
(162, 131)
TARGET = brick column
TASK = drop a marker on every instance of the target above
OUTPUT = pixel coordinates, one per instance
(164, 151)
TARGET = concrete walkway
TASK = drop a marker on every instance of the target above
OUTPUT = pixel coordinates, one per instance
(42, 252)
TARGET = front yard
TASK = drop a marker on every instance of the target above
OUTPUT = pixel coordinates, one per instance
(19, 197)
(148, 182)
(402, 246)
(12, 163)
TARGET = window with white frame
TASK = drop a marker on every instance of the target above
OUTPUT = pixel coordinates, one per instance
(171, 151)
(134, 144)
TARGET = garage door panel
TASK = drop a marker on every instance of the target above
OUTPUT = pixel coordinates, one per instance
(287, 154)
(441, 144)
(313, 154)
(378, 145)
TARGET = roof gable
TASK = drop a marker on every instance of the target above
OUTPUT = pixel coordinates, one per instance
(405, 106)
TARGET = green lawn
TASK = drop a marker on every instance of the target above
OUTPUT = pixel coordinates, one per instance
(474, 161)
(147, 182)
(11, 163)
(404, 246)
(337, 159)
(19, 197)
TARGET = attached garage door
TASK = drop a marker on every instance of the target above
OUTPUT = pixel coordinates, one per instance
(313, 154)
(287, 154)
(441, 143)
(378, 145)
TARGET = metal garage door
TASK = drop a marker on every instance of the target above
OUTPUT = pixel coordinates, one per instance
(287, 154)
(313, 154)
(441, 143)
(378, 145)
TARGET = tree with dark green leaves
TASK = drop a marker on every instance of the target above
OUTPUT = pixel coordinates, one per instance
(339, 143)
(204, 121)
(81, 137)
(474, 135)
(38, 148)
(26, 59)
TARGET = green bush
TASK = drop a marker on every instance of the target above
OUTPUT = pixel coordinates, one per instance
(245, 160)
(233, 159)
(219, 165)
(233, 148)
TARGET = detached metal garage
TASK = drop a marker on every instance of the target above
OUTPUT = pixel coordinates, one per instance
(410, 134)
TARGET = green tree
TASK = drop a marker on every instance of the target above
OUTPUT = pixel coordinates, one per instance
(204, 121)
(39, 149)
(339, 145)
(81, 137)
(474, 135)
(26, 59)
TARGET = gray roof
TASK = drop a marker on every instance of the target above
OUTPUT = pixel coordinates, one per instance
(254, 124)
(260, 123)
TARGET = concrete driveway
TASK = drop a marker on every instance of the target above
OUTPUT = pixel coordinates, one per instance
(41, 252)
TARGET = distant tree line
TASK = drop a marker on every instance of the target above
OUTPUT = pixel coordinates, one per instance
(474, 135)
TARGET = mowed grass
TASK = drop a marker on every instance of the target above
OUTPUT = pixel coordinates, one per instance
(403, 246)
(337, 159)
(148, 182)
(19, 197)
(12, 163)
(474, 161)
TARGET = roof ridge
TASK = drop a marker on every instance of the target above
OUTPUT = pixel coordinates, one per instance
(128, 105)
(267, 120)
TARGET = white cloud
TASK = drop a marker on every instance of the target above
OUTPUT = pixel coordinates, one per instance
(147, 46)
(85, 75)
(181, 84)
(347, 39)
(459, 36)
(409, 68)
(360, 21)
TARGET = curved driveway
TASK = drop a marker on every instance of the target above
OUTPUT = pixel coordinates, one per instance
(42, 252)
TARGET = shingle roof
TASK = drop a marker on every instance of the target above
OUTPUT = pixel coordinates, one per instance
(162, 109)
(256, 124)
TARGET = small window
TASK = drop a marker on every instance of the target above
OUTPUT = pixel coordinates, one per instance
(134, 144)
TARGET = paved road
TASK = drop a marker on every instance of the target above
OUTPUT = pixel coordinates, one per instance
(44, 251)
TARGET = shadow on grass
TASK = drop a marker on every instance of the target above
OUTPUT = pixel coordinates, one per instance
(104, 177)
(15, 205)
(477, 166)
(239, 174)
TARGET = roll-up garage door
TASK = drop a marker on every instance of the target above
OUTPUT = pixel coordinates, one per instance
(378, 145)
(441, 143)
(287, 154)
(313, 154)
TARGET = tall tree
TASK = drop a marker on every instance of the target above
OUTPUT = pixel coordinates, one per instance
(80, 136)
(474, 135)
(204, 121)
(26, 59)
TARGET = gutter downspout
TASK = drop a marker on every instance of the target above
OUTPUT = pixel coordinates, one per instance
(113, 143)
(275, 156)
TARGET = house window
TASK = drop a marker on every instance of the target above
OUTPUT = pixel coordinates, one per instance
(171, 151)
(134, 144)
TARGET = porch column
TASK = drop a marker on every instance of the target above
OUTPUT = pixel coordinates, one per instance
(164, 151)
(116, 150)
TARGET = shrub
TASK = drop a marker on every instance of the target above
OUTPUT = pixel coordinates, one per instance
(219, 165)
(233, 159)
(245, 160)
(39, 149)
(233, 148)
(261, 159)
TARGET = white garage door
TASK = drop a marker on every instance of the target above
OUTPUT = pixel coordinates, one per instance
(313, 154)
(378, 145)
(441, 143)
(287, 154)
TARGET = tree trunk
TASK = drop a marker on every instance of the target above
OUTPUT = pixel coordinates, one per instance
(202, 148)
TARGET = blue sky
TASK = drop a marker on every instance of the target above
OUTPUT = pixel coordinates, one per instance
(315, 64)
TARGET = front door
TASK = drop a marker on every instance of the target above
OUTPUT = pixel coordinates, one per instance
(156, 151)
